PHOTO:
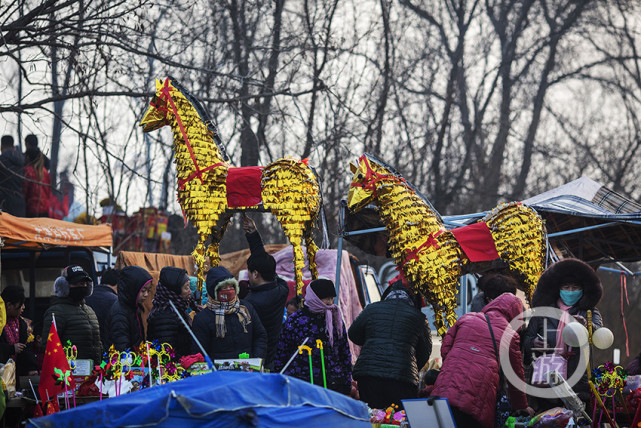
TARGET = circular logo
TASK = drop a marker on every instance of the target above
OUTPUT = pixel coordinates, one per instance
(559, 389)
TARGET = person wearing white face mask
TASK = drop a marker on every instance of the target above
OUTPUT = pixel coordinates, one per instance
(574, 287)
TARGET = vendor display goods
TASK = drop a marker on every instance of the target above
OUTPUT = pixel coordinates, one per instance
(287, 187)
(428, 255)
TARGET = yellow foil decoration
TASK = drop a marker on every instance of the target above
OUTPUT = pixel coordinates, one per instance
(427, 254)
(290, 189)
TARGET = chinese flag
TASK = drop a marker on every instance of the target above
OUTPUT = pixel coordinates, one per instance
(37, 411)
(54, 358)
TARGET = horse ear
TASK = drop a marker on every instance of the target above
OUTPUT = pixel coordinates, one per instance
(158, 85)
(353, 167)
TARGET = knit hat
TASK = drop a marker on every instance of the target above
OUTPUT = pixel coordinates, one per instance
(323, 288)
(216, 278)
(173, 278)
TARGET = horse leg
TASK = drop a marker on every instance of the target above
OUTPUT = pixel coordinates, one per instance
(216, 236)
(312, 249)
(299, 264)
(199, 260)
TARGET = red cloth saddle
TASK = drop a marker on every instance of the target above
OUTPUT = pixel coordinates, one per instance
(243, 186)
(477, 242)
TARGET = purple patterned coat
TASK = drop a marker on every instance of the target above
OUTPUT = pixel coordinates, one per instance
(338, 360)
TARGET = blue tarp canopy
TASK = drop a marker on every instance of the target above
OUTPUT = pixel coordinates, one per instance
(219, 399)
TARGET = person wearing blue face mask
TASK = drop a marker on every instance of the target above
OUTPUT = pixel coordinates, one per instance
(572, 286)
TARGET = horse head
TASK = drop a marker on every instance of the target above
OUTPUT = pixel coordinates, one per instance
(367, 175)
(172, 97)
(156, 115)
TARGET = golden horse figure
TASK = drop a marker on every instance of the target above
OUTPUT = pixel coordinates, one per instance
(287, 187)
(429, 256)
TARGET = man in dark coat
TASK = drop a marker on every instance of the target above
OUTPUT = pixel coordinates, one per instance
(126, 325)
(101, 301)
(75, 321)
(267, 292)
(11, 173)
(396, 344)
(163, 324)
(228, 326)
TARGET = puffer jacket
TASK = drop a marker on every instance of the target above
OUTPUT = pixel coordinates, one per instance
(126, 322)
(269, 301)
(101, 301)
(165, 327)
(395, 340)
(236, 341)
(469, 377)
(75, 322)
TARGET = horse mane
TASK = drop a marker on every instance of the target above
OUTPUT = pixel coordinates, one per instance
(204, 116)
(393, 171)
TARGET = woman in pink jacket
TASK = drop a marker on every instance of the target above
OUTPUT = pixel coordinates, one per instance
(469, 378)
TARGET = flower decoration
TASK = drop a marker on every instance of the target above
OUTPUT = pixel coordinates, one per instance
(609, 379)
(71, 352)
(62, 377)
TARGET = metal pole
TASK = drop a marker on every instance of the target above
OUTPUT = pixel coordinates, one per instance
(339, 255)
(294, 355)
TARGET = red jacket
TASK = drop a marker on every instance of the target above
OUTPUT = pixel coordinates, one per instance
(469, 378)
(37, 195)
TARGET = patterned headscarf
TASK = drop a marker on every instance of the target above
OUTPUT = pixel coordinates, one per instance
(162, 298)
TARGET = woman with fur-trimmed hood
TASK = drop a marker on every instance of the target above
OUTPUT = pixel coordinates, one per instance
(574, 287)
(228, 326)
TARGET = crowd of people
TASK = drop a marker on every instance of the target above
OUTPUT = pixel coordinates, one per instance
(25, 184)
(257, 319)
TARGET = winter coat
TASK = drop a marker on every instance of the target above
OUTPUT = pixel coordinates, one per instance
(469, 377)
(26, 360)
(338, 359)
(75, 322)
(37, 193)
(101, 301)
(478, 302)
(11, 193)
(236, 341)
(126, 321)
(395, 340)
(547, 294)
(269, 300)
(165, 327)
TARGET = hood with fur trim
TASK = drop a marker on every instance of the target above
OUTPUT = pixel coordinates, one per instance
(565, 271)
(216, 278)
